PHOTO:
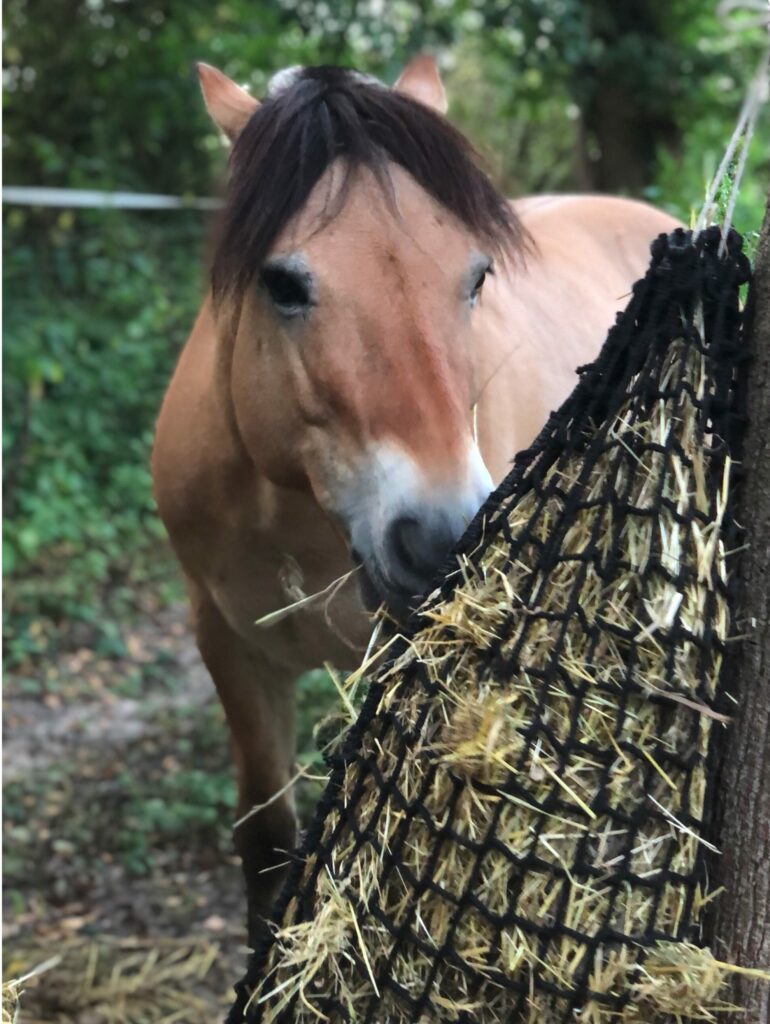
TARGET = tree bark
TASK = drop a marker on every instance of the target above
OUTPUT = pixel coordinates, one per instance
(618, 141)
(624, 114)
(742, 916)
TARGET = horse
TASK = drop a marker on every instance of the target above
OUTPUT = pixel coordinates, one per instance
(383, 332)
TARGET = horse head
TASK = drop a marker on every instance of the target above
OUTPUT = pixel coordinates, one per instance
(357, 237)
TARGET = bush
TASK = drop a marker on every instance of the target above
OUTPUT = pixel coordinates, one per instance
(99, 304)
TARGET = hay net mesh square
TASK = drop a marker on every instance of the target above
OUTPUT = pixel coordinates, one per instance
(516, 825)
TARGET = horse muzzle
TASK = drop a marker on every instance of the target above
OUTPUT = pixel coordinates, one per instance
(403, 535)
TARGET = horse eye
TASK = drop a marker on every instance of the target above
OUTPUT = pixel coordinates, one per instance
(289, 291)
(476, 290)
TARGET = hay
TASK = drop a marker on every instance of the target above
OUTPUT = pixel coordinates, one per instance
(14, 989)
(115, 981)
(11, 993)
(531, 850)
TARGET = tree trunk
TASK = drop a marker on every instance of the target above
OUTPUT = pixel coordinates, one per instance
(742, 915)
(618, 141)
(624, 117)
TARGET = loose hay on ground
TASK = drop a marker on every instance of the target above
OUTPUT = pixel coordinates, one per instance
(116, 981)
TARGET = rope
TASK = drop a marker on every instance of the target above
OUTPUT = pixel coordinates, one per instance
(740, 141)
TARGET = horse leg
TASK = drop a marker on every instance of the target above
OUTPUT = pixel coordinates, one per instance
(258, 698)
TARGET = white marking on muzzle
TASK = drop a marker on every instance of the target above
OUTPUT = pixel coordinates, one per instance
(390, 489)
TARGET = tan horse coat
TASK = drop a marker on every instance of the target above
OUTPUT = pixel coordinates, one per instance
(244, 532)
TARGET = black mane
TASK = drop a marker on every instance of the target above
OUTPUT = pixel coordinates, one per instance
(328, 112)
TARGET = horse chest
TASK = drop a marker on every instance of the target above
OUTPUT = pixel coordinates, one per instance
(256, 573)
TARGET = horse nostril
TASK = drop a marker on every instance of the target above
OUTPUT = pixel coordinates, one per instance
(418, 550)
(404, 542)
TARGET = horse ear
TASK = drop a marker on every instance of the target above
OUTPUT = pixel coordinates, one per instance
(421, 80)
(230, 106)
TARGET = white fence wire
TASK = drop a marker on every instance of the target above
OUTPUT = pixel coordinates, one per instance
(69, 198)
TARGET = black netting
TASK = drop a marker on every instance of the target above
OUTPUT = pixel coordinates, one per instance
(515, 828)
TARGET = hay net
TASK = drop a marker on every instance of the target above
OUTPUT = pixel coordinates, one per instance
(516, 826)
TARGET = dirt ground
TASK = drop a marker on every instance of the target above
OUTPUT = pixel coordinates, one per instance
(118, 858)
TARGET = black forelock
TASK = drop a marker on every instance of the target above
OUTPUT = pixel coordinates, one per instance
(330, 112)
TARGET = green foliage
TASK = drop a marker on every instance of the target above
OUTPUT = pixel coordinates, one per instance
(103, 93)
(318, 714)
(176, 808)
(134, 805)
(97, 309)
